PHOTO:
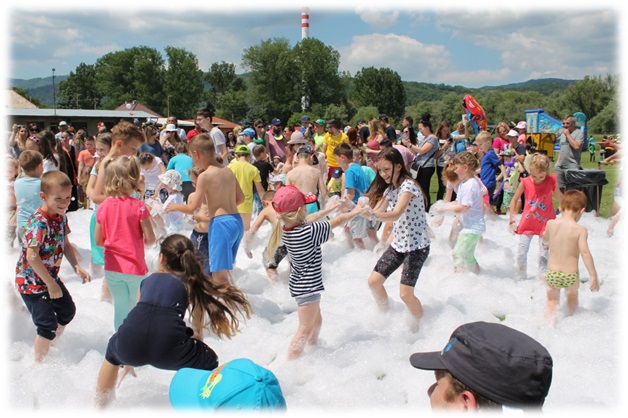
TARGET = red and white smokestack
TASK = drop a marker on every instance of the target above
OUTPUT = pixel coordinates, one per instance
(305, 23)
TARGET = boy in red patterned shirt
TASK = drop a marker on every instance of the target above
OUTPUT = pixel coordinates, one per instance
(36, 274)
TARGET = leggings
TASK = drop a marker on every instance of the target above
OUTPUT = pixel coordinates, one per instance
(124, 290)
(424, 177)
(522, 253)
(98, 253)
(440, 194)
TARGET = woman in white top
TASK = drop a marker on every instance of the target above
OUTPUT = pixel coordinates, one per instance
(48, 146)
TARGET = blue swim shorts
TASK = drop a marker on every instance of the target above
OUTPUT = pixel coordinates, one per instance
(225, 233)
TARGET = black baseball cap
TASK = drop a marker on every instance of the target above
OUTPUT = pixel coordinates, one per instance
(498, 362)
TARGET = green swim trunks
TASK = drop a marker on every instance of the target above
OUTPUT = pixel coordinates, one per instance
(560, 280)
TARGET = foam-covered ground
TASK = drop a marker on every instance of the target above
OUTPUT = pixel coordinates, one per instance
(361, 362)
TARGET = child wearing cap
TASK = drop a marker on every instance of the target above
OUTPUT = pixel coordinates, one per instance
(265, 168)
(238, 385)
(218, 187)
(567, 243)
(249, 178)
(334, 185)
(303, 239)
(319, 134)
(307, 178)
(485, 366)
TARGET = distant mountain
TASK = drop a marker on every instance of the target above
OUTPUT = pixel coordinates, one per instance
(41, 88)
(545, 86)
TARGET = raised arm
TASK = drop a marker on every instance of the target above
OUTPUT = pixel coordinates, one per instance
(398, 210)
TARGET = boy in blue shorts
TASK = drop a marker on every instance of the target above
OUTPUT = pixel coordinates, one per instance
(44, 244)
(219, 188)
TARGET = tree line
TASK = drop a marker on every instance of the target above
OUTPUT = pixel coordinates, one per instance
(287, 82)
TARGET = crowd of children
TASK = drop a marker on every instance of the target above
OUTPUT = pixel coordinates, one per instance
(137, 200)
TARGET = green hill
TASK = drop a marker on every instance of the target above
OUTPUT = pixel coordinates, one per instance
(41, 88)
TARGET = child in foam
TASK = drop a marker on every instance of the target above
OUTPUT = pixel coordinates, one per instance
(538, 187)
(469, 205)
(303, 240)
(398, 198)
(155, 333)
(567, 243)
(123, 228)
(235, 386)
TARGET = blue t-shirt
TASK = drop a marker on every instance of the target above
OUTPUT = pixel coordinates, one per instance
(370, 173)
(357, 180)
(27, 197)
(182, 163)
(489, 168)
(154, 149)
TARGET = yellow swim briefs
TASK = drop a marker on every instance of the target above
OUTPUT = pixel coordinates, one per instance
(559, 280)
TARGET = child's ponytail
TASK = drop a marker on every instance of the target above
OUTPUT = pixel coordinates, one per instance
(222, 303)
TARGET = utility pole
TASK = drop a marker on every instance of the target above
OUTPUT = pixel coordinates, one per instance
(54, 93)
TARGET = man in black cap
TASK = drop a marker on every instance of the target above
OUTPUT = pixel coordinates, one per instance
(306, 126)
(363, 131)
(389, 130)
(487, 365)
(275, 142)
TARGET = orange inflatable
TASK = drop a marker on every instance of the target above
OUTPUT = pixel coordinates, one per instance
(475, 113)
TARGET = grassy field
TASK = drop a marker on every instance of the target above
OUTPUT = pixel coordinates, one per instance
(612, 176)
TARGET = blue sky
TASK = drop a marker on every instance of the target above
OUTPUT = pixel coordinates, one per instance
(459, 43)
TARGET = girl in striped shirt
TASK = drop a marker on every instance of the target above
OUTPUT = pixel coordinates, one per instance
(303, 238)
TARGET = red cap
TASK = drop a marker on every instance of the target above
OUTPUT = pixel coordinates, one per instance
(289, 199)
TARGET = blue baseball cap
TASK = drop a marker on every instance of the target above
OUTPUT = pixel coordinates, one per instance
(249, 132)
(238, 384)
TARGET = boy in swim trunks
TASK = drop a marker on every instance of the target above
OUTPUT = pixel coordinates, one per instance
(567, 242)
(219, 188)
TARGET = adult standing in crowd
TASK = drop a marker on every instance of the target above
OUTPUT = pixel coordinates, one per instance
(172, 120)
(570, 139)
(363, 131)
(151, 145)
(408, 129)
(446, 151)
(425, 152)
(17, 140)
(389, 130)
(275, 142)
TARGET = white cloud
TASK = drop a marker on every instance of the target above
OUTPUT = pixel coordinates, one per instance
(377, 18)
(410, 58)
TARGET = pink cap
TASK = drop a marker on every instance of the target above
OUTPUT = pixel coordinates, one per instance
(289, 199)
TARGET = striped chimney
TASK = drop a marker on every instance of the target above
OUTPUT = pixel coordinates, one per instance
(305, 23)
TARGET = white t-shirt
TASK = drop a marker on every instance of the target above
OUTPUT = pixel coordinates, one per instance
(151, 176)
(173, 220)
(219, 139)
(410, 230)
(50, 165)
(470, 194)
